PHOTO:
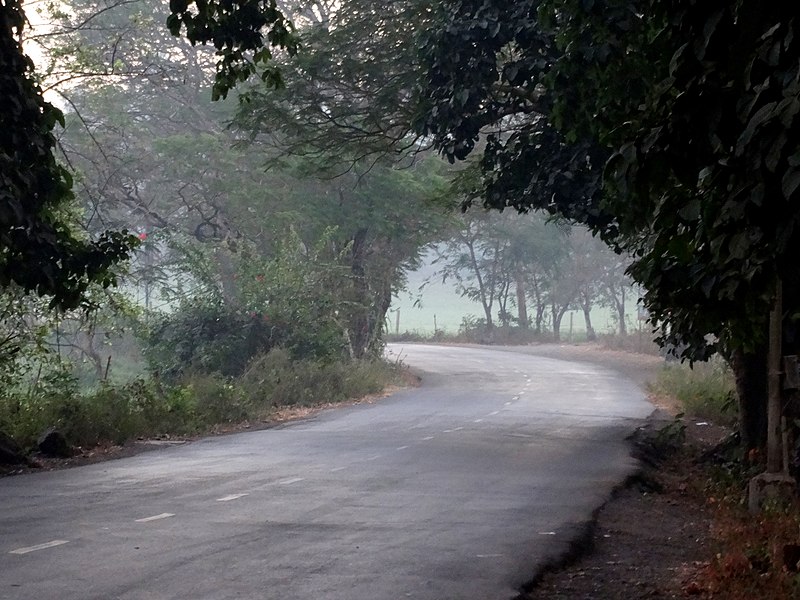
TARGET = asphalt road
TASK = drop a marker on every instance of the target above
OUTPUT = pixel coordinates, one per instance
(455, 490)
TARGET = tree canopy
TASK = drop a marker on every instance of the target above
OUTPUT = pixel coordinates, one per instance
(637, 118)
(39, 250)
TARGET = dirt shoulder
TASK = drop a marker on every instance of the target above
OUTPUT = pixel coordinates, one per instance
(648, 541)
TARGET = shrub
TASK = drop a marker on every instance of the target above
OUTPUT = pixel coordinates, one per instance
(216, 399)
(274, 380)
(195, 402)
(207, 336)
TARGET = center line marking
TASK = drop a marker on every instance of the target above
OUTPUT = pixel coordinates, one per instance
(430, 437)
(507, 404)
(478, 421)
(338, 469)
(290, 481)
(155, 518)
(231, 497)
(402, 447)
(493, 413)
(375, 457)
(39, 547)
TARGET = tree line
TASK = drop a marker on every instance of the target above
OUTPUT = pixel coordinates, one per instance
(528, 272)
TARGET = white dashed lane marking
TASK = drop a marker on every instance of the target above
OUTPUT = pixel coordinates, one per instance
(44, 546)
(374, 457)
(335, 469)
(493, 413)
(401, 447)
(478, 421)
(425, 439)
(155, 517)
(291, 480)
(231, 497)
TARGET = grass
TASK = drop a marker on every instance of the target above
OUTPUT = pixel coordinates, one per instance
(197, 403)
(705, 391)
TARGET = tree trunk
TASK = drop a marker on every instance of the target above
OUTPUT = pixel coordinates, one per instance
(558, 315)
(587, 317)
(359, 321)
(774, 396)
(623, 330)
(585, 301)
(522, 308)
(486, 298)
(750, 373)
(540, 307)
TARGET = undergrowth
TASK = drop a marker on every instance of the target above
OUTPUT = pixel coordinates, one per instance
(194, 403)
(705, 391)
(756, 555)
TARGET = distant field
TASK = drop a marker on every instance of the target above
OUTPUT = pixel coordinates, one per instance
(440, 303)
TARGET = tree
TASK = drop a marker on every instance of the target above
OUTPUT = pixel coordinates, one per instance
(152, 150)
(348, 96)
(242, 32)
(474, 260)
(39, 250)
(502, 259)
(703, 176)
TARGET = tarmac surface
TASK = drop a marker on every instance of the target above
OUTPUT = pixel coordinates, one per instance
(458, 489)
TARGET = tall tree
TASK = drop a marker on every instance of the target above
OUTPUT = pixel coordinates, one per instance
(697, 105)
(39, 250)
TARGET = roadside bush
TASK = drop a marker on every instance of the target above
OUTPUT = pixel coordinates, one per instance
(640, 342)
(105, 414)
(706, 390)
(193, 403)
(475, 330)
(275, 380)
(216, 399)
(207, 336)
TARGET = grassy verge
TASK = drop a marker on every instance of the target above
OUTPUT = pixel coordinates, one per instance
(705, 391)
(195, 403)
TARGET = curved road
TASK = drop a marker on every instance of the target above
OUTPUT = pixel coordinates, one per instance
(456, 490)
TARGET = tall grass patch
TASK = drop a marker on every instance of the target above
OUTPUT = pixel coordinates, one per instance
(274, 380)
(705, 390)
(196, 402)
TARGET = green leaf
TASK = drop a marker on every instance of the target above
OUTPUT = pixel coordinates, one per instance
(790, 182)
(691, 210)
